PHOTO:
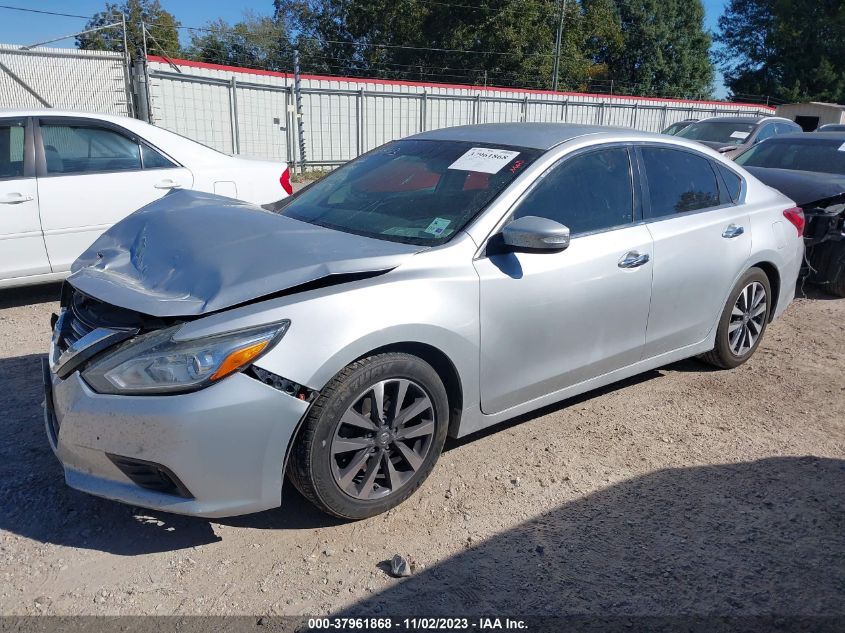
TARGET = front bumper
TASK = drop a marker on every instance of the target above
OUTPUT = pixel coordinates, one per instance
(226, 444)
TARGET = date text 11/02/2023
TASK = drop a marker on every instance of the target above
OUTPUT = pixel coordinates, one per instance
(416, 624)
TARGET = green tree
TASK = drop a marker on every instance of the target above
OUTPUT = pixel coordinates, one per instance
(497, 42)
(254, 42)
(792, 50)
(161, 25)
(664, 49)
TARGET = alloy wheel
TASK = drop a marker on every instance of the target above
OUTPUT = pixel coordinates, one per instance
(747, 318)
(382, 439)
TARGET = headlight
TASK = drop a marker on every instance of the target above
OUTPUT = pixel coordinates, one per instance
(155, 363)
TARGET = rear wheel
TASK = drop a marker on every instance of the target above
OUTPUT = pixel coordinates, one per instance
(372, 437)
(743, 321)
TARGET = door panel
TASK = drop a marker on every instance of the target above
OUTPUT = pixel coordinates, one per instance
(701, 242)
(551, 320)
(22, 249)
(92, 175)
(76, 209)
(694, 268)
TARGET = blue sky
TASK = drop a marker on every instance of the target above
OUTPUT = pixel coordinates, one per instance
(17, 27)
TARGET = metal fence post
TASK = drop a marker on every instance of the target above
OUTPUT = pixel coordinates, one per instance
(127, 72)
(359, 117)
(141, 90)
(636, 112)
(663, 118)
(297, 87)
(423, 110)
(565, 115)
(233, 113)
(476, 114)
(523, 115)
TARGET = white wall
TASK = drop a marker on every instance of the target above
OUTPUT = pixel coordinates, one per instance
(198, 103)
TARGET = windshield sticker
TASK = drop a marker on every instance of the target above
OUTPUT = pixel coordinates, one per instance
(488, 161)
(841, 148)
(740, 135)
(438, 225)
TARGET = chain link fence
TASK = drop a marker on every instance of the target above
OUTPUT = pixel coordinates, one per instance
(64, 78)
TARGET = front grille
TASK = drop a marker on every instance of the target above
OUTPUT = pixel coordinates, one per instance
(84, 314)
(151, 476)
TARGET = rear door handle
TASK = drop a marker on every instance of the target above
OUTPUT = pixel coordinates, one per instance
(167, 184)
(733, 230)
(15, 198)
(633, 259)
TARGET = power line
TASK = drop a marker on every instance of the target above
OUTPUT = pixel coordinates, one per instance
(27, 10)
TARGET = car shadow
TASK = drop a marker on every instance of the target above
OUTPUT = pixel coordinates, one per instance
(29, 295)
(755, 538)
(36, 503)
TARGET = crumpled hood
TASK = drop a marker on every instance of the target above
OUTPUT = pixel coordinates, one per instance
(192, 253)
(804, 187)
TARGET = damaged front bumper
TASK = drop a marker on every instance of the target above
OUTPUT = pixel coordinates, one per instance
(216, 452)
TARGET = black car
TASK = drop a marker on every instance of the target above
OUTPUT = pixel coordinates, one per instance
(810, 169)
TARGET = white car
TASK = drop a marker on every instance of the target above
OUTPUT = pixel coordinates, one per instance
(65, 177)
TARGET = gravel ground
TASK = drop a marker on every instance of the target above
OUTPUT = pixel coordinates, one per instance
(683, 491)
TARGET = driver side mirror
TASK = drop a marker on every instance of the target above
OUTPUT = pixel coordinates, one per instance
(536, 234)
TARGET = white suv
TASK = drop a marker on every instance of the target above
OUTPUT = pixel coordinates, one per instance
(65, 177)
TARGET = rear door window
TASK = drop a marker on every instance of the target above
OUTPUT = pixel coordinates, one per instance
(588, 192)
(12, 135)
(678, 182)
(733, 183)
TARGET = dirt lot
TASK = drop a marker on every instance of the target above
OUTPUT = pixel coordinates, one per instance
(683, 491)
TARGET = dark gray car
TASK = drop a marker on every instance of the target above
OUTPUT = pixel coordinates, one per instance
(732, 135)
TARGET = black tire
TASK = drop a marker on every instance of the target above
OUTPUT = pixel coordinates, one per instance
(723, 355)
(313, 467)
(828, 260)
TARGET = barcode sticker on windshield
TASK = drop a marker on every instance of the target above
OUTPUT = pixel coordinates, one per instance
(437, 226)
(488, 161)
(740, 135)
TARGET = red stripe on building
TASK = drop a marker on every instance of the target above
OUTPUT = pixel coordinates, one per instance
(419, 84)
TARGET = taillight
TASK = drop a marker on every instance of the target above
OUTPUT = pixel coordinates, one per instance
(285, 181)
(796, 216)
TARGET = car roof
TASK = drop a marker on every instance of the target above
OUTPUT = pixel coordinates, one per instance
(542, 136)
(175, 145)
(811, 136)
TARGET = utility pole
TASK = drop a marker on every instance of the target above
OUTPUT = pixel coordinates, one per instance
(558, 42)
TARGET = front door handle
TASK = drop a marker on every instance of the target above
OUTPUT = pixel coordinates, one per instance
(15, 198)
(633, 259)
(733, 230)
(167, 184)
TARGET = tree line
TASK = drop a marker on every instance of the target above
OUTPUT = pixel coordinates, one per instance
(786, 49)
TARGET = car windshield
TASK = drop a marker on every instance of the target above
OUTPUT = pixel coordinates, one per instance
(412, 191)
(727, 132)
(820, 155)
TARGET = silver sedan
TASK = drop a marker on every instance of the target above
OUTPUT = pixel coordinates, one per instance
(434, 286)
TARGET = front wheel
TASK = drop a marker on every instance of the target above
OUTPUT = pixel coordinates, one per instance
(743, 321)
(372, 437)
